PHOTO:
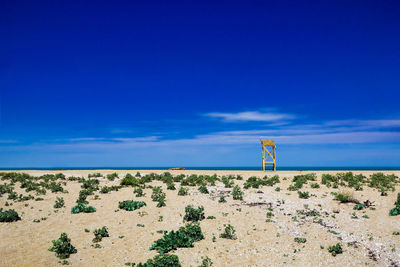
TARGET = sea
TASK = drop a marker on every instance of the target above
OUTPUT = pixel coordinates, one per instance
(294, 168)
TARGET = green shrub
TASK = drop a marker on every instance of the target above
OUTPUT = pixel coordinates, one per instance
(203, 189)
(300, 239)
(9, 216)
(131, 205)
(395, 211)
(59, 203)
(90, 184)
(206, 262)
(345, 197)
(163, 260)
(106, 189)
(112, 176)
(359, 207)
(256, 182)
(183, 191)
(82, 208)
(100, 233)
(380, 180)
(222, 199)
(397, 203)
(229, 232)
(335, 249)
(83, 194)
(237, 193)
(97, 174)
(315, 185)
(304, 195)
(300, 180)
(130, 180)
(139, 192)
(158, 195)
(63, 247)
(183, 238)
(171, 186)
(194, 215)
(227, 181)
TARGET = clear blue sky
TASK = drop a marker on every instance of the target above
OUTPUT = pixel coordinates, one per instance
(198, 83)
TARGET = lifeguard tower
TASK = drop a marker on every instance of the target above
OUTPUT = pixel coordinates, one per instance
(268, 154)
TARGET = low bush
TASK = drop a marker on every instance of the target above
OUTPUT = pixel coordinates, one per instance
(300, 180)
(228, 181)
(206, 262)
(112, 176)
(222, 199)
(335, 249)
(63, 247)
(194, 215)
(100, 233)
(59, 203)
(163, 260)
(304, 195)
(315, 185)
(131, 205)
(229, 232)
(106, 189)
(237, 194)
(139, 192)
(9, 216)
(345, 197)
(255, 182)
(380, 180)
(129, 180)
(97, 174)
(183, 191)
(82, 208)
(203, 189)
(183, 238)
(300, 239)
(159, 196)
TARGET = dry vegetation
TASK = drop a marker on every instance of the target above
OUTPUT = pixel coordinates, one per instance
(199, 218)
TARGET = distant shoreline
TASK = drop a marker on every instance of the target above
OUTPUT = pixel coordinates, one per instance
(354, 168)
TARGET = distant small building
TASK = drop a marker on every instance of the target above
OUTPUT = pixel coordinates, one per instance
(268, 154)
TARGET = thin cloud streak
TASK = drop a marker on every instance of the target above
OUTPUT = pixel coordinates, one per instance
(249, 116)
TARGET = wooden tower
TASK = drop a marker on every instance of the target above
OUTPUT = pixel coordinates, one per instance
(268, 150)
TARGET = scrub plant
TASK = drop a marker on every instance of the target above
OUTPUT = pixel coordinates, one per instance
(183, 191)
(131, 205)
(100, 233)
(237, 194)
(194, 215)
(59, 203)
(229, 232)
(63, 247)
(9, 216)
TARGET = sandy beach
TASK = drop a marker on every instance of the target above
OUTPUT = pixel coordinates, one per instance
(366, 235)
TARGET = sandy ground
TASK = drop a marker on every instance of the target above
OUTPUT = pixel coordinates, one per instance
(258, 243)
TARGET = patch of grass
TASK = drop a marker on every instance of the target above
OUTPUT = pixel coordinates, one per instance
(163, 260)
(255, 182)
(129, 179)
(59, 203)
(112, 176)
(159, 196)
(381, 181)
(300, 239)
(131, 205)
(237, 193)
(100, 233)
(345, 197)
(139, 192)
(97, 174)
(335, 249)
(194, 215)
(183, 238)
(63, 247)
(300, 180)
(304, 195)
(203, 189)
(82, 208)
(229, 232)
(183, 191)
(9, 216)
(206, 262)
(222, 199)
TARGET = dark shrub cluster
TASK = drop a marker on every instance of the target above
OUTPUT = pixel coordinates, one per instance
(158, 196)
(63, 247)
(82, 208)
(194, 215)
(237, 193)
(300, 180)
(131, 205)
(229, 232)
(255, 182)
(183, 191)
(163, 260)
(100, 233)
(183, 238)
(59, 203)
(9, 216)
(112, 176)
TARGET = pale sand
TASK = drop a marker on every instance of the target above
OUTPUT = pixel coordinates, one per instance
(25, 243)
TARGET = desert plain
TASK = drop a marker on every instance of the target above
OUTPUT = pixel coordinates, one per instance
(273, 225)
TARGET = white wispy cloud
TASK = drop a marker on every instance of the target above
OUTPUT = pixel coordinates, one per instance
(250, 116)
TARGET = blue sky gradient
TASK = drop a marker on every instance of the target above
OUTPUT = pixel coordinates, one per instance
(198, 83)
